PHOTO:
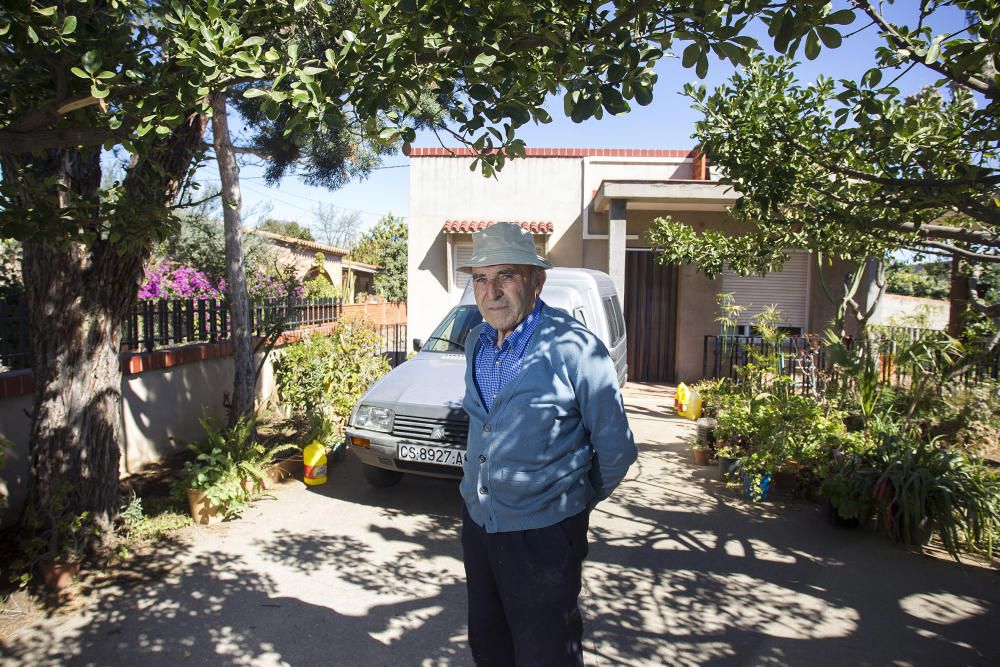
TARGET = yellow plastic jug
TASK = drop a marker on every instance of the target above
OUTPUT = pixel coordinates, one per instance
(693, 408)
(314, 463)
(681, 398)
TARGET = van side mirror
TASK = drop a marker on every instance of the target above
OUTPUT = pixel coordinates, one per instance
(417, 344)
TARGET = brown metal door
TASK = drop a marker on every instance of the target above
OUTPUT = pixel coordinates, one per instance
(650, 317)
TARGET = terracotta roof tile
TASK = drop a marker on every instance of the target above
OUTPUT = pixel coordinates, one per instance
(438, 151)
(470, 226)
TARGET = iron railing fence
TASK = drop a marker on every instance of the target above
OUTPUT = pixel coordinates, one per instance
(14, 350)
(802, 357)
(799, 357)
(168, 322)
(392, 343)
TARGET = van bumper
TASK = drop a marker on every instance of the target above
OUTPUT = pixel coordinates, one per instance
(381, 452)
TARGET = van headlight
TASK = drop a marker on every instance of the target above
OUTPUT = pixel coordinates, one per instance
(374, 418)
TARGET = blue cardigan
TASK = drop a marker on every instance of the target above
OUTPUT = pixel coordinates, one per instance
(557, 440)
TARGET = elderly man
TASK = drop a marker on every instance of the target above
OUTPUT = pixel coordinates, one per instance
(548, 440)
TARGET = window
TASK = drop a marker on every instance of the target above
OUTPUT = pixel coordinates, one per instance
(787, 289)
(450, 335)
(616, 322)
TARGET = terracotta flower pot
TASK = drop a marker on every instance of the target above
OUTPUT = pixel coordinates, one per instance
(202, 511)
(57, 576)
(702, 456)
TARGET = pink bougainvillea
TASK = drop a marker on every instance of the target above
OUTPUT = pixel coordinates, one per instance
(170, 281)
(166, 281)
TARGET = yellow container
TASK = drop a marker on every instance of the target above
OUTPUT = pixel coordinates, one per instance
(314, 464)
(692, 409)
(681, 398)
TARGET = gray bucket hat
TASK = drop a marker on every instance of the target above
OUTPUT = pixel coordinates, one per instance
(503, 243)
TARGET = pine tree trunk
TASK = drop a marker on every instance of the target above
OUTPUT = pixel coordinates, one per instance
(244, 379)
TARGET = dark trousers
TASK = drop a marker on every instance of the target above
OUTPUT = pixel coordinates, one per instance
(523, 593)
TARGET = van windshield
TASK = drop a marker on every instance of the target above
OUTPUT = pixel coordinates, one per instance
(451, 333)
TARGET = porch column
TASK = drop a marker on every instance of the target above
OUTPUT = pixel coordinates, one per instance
(616, 245)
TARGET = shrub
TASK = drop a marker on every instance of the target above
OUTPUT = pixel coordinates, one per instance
(326, 375)
(912, 484)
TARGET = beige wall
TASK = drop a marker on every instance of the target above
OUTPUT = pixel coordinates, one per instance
(560, 191)
(551, 189)
(160, 411)
(912, 311)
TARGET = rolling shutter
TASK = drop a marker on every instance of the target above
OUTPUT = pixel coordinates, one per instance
(787, 289)
(462, 252)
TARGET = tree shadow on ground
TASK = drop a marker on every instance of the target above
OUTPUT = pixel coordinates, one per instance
(683, 572)
(680, 572)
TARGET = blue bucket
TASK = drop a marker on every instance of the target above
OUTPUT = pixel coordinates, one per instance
(758, 493)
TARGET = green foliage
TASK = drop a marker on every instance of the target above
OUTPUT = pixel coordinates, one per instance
(148, 521)
(301, 371)
(327, 429)
(200, 243)
(324, 376)
(385, 245)
(856, 375)
(357, 364)
(913, 486)
(858, 169)
(11, 284)
(320, 287)
(924, 280)
(61, 536)
(230, 463)
(286, 228)
(715, 394)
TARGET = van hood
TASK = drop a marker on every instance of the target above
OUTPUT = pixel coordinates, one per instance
(428, 379)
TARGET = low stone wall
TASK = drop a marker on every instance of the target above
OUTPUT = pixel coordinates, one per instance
(912, 311)
(164, 393)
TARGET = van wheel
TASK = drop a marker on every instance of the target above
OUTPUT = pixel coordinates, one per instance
(381, 478)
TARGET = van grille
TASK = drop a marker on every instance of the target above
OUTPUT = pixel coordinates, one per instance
(451, 431)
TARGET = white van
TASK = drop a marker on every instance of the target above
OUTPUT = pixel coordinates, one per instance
(412, 420)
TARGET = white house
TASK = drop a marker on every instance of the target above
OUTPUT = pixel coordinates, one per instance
(592, 208)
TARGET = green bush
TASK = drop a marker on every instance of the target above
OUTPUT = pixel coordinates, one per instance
(324, 376)
(913, 485)
(230, 463)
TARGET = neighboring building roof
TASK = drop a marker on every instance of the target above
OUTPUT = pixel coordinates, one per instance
(311, 245)
(464, 151)
(361, 266)
(470, 226)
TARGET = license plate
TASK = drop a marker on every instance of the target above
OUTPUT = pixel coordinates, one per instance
(438, 455)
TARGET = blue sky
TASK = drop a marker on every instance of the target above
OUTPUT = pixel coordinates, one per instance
(666, 123)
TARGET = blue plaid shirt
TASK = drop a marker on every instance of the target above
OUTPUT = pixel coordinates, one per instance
(496, 366)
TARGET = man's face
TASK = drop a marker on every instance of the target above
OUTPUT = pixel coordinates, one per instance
(505, 294)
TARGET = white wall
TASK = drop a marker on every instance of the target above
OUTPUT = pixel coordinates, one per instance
(912, 311)
(160, 411)
(542, 189)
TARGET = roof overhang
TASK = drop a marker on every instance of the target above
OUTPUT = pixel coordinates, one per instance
(470, 226)
(666, 195)
(360, 267)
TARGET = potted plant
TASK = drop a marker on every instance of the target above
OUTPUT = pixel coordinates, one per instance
(214, 486)
(230, 466)
(67, 544)
(729, 461)
(923, 488)
(702, 454)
